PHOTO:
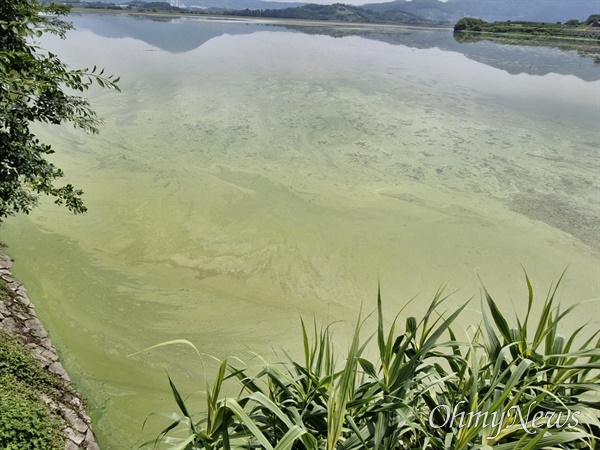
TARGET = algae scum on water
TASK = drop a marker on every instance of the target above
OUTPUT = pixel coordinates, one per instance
(262, 173)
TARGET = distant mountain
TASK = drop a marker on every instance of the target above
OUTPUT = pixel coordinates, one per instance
(431, 11)
(222, 4)
(492, 10)
(239, 4)
(337, 12)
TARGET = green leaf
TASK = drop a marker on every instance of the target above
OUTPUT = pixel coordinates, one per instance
(171, 342)
(289, 438)
(179, 401)
(498, 318)
(235, 407)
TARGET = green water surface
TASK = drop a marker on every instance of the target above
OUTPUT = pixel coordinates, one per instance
(269, 174)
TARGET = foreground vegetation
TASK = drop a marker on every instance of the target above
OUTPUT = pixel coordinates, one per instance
(37, 87)
(25, 421)
(523, 386)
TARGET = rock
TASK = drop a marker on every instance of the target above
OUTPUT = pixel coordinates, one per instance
(17, 316)
(74, 436)
(5, 262)
(44, 356)
(25, 300)
(90, 441)
(76, 422)
(10, 325)
(36, 326)
(45, 342)
(70, 445)
(57, 368)
(21, 317)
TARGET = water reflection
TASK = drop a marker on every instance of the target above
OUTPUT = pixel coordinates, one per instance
(514, 59)
(177, 35)
(183, 34)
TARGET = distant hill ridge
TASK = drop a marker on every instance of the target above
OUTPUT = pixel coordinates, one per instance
(493, 10)
(428, 11)
(336, 12)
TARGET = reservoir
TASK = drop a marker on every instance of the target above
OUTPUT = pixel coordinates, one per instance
(250, 174)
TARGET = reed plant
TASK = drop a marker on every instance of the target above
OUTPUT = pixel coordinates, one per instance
(523, 386)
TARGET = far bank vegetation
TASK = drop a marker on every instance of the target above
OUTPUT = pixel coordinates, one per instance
(573, 28)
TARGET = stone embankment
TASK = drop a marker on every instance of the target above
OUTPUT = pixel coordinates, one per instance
(18, 316)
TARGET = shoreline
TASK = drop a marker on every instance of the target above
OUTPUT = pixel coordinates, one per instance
(19, 319)
(260, 20)
(573, 41)
(581, 40)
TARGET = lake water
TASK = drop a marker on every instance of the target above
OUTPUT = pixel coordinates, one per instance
(250, 174)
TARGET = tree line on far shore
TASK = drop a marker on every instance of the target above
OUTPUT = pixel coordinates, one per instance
(474, 24)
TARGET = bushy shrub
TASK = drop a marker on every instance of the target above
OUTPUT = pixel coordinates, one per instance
(469, 24)
(593, 18)
(404, 400)
(25, 422)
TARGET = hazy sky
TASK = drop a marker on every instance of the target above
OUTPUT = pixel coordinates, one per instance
(347, 2)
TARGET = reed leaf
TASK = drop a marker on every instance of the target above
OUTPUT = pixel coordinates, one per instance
(394, 403)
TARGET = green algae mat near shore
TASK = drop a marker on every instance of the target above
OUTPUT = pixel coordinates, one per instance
(267, 175)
